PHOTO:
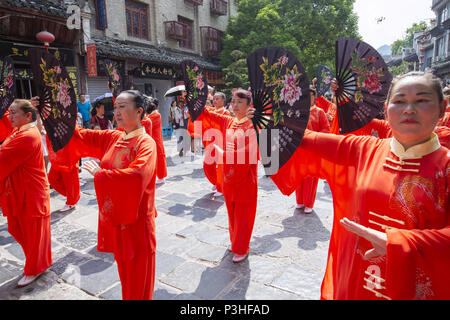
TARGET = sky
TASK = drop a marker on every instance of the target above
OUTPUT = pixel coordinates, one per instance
(399, 15)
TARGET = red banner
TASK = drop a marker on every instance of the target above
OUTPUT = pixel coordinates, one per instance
(91, 59)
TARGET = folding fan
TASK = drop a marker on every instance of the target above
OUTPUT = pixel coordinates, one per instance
(196, 88)
(57, 103)
(114, 80)
(324, 77)
(281, 98)
(7, 84)
(363, 80)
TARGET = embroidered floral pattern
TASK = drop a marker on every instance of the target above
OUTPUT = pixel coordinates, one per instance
(368, 77)
(285, 82)
(196, 76)
(59, 89)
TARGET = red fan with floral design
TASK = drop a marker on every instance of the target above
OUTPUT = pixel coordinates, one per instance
(57, 105)
(363, 80)
(7, 84)
(196, 88)
(281, 98)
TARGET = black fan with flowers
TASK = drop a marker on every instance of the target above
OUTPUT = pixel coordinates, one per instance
(363, 79)
(57, 104)
(281, 98)
(114, 79)
(7, 84)
(196, 88)
(324, 77)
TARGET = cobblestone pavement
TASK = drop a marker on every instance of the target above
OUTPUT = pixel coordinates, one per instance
(287, 258)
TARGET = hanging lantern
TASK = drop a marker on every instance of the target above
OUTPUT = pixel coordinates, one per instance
(45, 37)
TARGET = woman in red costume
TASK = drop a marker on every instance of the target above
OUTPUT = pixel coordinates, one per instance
(305, 194)
(391, 229)
(24, 191)
(240, 161)
(125, 187)
(155, 117)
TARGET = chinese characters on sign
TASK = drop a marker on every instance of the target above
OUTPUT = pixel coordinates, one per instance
(92, 60)
(156, 71)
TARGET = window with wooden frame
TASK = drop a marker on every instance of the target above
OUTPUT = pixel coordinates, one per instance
(210, 41)
(136, 14)
(187, 43)
(100, 11)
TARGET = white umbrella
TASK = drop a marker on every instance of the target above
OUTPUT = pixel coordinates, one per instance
(176, 91)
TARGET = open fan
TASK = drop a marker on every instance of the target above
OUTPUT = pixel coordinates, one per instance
(281, 98)
(363, 80)
(324, 77)
(57, 105)
(7, 84)
(196, 88)
(114, 81)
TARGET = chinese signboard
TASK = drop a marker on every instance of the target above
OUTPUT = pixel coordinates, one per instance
(91, 59)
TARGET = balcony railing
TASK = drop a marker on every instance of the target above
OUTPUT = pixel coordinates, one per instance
(219, 7)
(210, 41)
(196, 2)
(175, 30)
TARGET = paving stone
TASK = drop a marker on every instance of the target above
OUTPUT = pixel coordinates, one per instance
(208, 204)
(164, 292)
(5, 238)
(64, 259)
(208, 253)
(299, 281)
(174, 209)
(166, 263)
(168, 243)
(114, 293)
(246, 289)
(179, 198)
(79, 240)
(93, 276)
(9, 269)
(204, 282)
(206, 234)
(16, 250)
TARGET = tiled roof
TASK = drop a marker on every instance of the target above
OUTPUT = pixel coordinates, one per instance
(118, 48)
(50, 7)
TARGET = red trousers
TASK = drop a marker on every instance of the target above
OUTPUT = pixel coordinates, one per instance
(66, 184)
(214, 174)
(241, 218)
(137, 275)
(33, 235)
(306, 191)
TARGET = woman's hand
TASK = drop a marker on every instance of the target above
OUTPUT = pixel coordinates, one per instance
(334, 86)
(377, 238)
(91, 166)
(250, 113)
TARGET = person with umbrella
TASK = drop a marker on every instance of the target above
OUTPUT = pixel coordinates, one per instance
(391, 229)
(24, 190)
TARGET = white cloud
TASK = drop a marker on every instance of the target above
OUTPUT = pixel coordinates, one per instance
(399, 15)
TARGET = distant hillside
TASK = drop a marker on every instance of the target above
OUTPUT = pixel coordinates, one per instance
(384, 50)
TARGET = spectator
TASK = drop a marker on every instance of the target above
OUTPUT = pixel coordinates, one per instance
(84, 107)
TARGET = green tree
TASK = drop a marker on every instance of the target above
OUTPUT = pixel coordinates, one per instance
(407, 41)
(307, 28)
(404, 67)
(236, 73)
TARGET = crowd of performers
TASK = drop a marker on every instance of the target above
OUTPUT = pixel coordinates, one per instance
(390, 184)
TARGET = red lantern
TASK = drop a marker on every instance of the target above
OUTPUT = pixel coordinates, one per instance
(45, 37)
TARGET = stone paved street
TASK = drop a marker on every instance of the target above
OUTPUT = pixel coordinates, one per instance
(287, 258)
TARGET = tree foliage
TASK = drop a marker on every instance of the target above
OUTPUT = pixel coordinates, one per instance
(404, 67)
(407, 41)
(307, 28)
